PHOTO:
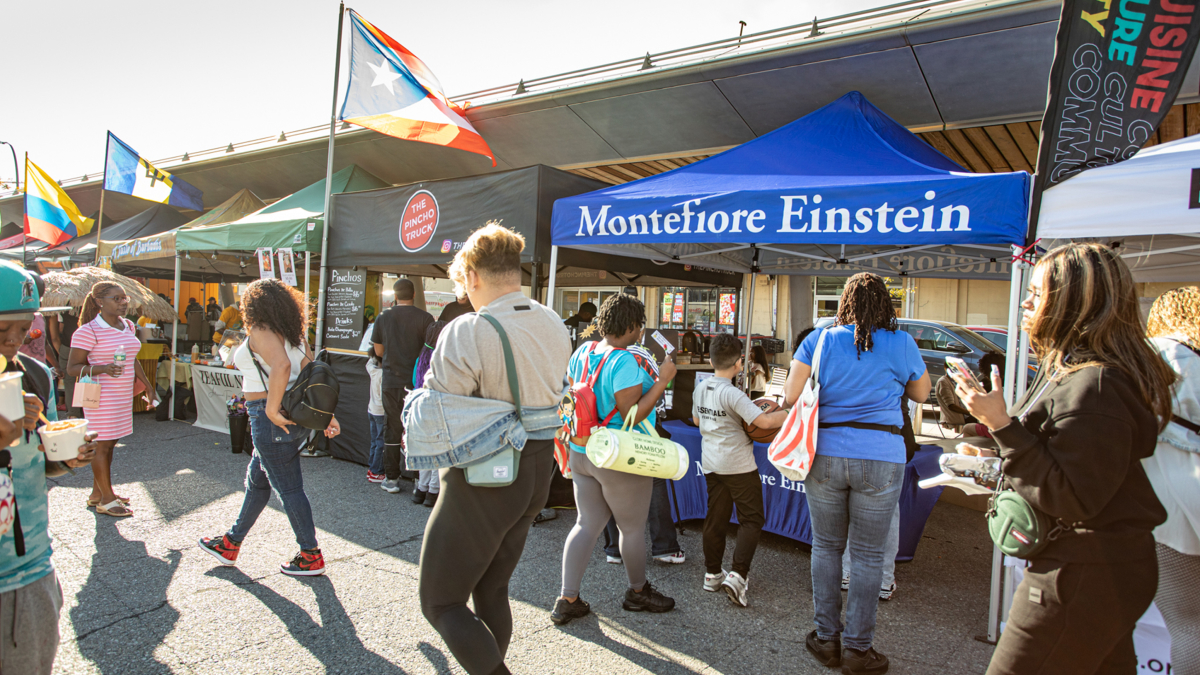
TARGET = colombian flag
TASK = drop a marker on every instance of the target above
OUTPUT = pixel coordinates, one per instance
(393, 92)
(50, 215)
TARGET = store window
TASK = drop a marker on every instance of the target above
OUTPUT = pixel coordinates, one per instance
(707, 310)
(569, 299)
(827, 293)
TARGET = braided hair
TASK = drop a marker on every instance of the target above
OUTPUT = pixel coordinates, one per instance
(866, 305)
(620, 314)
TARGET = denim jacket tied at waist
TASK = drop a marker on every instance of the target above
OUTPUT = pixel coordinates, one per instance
(445, 430)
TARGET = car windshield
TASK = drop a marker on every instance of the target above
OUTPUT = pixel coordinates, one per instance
(997, 339)
(972, 338)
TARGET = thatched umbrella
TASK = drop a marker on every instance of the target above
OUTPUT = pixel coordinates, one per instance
(71, 287)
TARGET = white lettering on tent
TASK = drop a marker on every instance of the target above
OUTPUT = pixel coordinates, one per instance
(964, 218)
(800, 214)
(789, 211)
(585, 219)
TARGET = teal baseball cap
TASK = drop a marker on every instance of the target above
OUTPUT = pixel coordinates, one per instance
(20, 293)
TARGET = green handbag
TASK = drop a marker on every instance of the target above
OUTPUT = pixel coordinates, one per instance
(1016, 527)
(500, 469)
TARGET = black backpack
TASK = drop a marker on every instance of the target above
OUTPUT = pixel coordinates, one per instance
(309, 402)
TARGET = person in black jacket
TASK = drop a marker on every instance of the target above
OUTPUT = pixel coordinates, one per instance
(1073, 449)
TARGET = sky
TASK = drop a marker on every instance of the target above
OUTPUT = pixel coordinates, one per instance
(168, 77)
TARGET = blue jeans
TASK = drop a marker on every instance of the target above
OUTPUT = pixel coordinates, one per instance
(663, 540)
(891, 548)
(378, 425)
(844, 495)
(275, 466)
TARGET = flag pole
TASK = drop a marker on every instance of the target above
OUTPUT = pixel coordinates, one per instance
(337, 65)
(100, 217)
(25, 205)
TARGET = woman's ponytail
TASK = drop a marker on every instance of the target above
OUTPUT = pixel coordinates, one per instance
(91, 304)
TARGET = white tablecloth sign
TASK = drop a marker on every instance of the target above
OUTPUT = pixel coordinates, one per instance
(213, 387)
(1151, 640)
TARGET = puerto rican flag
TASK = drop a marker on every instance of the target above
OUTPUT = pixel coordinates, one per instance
(393, 92)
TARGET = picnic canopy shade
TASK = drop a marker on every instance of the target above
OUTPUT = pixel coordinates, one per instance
(841, 190)
(368, 230)
(154, 256)
(1148, 205)
(295, 220)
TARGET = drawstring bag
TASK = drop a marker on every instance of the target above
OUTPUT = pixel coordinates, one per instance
(641, 454)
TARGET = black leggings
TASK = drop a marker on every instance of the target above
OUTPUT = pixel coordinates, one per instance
(473, 541)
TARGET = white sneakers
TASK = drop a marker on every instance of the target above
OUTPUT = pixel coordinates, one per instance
(735, 587)
(712, 582)
(676, 558)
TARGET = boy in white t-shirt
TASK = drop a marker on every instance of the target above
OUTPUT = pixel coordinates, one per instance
(719, 409)
(375, 413)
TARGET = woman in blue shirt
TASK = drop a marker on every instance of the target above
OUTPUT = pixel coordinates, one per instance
(604, 493)
(854, 484)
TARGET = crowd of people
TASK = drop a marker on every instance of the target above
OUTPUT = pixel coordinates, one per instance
(468, 408)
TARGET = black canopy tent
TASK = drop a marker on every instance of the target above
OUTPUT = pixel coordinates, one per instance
(154, 220)
(415, 230)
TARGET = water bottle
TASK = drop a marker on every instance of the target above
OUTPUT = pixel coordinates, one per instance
(119, 358)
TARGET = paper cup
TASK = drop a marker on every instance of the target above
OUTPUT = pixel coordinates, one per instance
(12, 398)
(63, 438)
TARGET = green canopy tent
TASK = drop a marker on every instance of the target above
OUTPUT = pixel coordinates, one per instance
(154, 256)
(295, 221)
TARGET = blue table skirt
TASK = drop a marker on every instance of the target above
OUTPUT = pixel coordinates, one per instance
(786, 505)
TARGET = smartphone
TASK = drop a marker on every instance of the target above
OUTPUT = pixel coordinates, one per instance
(959, 366)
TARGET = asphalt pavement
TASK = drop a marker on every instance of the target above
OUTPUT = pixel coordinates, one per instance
(140, 597)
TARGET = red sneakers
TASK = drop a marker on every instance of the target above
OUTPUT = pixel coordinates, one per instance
(374, 477)
(305, 564)
(222, 548)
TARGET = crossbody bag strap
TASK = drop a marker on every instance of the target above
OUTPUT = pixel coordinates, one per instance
(510, 363)
(254, 357)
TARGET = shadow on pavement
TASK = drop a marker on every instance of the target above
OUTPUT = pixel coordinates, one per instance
(148, 596)
(334, 641)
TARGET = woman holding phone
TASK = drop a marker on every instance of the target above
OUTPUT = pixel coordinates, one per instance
(105, 348)
(1072, 447)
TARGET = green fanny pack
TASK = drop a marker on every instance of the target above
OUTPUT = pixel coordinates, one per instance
(1016, 527)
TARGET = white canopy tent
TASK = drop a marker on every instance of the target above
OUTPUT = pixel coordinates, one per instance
(1149, 205)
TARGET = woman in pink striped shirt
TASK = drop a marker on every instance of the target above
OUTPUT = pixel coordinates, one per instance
(103, 331)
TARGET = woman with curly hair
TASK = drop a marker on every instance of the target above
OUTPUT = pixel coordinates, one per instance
(103, 333)
(604, 493)
(1174, 471)
(274, 350)
(853, 487)
(1072, 447)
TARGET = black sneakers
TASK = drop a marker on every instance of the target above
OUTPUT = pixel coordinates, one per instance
(418, 496)
(869, 662)
(647, 600)
(305, 564)
(827, 652)
(565, 610)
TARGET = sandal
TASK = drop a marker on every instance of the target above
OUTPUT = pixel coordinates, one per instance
(115, 509)
(96, 502)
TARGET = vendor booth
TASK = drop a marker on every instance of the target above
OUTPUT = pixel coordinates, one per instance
(369, 233)
(154, 256)
(842, 190)
(226, 250)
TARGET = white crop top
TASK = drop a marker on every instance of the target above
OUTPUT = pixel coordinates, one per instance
(251, 381)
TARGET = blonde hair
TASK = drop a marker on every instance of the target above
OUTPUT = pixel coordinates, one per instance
(1090, 316)
(1176, 314)
(492, 251)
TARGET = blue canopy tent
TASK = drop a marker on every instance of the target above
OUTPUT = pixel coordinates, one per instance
(842, 190)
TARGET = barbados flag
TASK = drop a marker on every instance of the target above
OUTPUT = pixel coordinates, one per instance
(126, 172)
(50, 215)
(393, 92)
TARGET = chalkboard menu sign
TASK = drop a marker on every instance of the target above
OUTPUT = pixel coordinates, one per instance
(345, 298)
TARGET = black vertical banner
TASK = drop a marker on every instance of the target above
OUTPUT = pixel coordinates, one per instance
(1118, 66)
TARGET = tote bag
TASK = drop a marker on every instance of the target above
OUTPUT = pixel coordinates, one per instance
(795, 445)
